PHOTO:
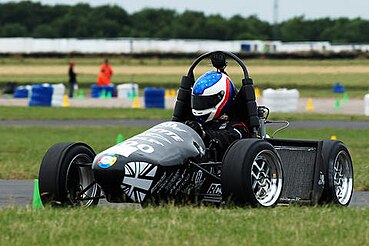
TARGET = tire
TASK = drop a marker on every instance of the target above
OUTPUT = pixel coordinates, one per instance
(337, 163)
(252, 174)
(65, 171)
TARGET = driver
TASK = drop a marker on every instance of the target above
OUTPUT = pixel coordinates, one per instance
(212, 96)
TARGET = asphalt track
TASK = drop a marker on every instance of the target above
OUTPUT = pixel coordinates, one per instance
(19, 193)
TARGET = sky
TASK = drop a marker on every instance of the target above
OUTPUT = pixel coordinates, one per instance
(263, 9)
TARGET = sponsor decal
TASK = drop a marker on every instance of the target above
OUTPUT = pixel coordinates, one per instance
(106, 161)
(138, 177)
(172, 125)
(321, 178)
(215, 189)
(198, 176)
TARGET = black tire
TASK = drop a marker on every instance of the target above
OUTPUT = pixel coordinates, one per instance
(339, 186)
(252, 174)
(65, 171)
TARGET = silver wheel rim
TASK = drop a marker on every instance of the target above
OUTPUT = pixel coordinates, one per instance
(82, 163)
(266, 178)
(342, 177)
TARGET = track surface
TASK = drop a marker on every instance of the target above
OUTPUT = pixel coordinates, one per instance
(149, 123)
(19, 193)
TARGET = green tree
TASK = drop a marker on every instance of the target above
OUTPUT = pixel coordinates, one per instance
(154, 23)
(13, 30)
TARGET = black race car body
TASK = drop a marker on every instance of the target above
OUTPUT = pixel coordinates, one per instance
(155, 164)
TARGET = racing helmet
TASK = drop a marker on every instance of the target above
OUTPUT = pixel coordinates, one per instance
(212, 94)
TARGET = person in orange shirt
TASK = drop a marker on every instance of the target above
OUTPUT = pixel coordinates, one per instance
(105, 74)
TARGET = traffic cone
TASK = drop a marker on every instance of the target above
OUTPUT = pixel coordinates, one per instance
(37, 203)
(337, 104)
(333, 137)
(119, 138)
(310, 106)
(167, 93)
(103, 94)
(173, 93)
(345, 97)
(257, 92)
(136, 103)
(81, 94)
(66, 101)
(109, 95)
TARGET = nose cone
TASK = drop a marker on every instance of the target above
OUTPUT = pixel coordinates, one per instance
(108, 171)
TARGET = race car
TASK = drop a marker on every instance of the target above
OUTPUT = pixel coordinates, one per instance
(170, 162)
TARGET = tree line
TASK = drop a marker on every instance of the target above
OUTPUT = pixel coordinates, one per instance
(29, 19)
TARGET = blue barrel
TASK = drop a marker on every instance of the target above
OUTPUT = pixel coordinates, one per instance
(102, 91)
(20, 93)
(41, 95)
(154, 97)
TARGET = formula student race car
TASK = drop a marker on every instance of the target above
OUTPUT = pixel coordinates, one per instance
(170, 162)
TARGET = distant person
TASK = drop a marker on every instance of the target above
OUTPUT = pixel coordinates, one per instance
(105, 74)
(72, 79)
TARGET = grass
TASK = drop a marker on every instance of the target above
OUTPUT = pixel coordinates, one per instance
(22, 152)
(171, 225)
(55, 113)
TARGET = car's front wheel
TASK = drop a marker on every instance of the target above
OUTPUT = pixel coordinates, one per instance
(66, 178)
(252, 173)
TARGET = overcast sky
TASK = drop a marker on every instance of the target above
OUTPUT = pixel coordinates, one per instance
(312, 9)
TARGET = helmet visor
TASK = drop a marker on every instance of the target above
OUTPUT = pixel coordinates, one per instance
(201, 102)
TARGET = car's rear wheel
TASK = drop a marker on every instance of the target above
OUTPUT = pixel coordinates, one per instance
(252, 173)
(66, 177)
(339, 171)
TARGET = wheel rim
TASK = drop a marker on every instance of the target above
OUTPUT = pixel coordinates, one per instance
(80, 177)
(342, 177)
(266, 178)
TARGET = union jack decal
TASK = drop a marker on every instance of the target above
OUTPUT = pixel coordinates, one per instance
(138, 177)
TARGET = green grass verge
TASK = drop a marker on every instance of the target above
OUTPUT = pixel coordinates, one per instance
(56, 113)
(23, 147)
(170, 225)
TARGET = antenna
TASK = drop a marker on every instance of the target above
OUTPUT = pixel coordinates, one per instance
(275, 20)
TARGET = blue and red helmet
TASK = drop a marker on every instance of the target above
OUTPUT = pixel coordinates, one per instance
(212, 95)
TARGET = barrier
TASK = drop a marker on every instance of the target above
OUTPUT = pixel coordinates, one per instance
(127, 91)
(101, 91)
(154, 97)
(58, 95)
(41, 95)
(366, 99)
(22, 91)
(281, 100)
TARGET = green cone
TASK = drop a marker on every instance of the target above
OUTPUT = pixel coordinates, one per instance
(337, 104)
(37, 203)
(345, 97)
(119, 138)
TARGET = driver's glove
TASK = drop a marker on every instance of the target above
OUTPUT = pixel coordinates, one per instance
(197, 127)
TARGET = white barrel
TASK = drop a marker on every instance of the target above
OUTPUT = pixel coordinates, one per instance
(58, 95)
(127, 90)
(281, 100)
(366, 100)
